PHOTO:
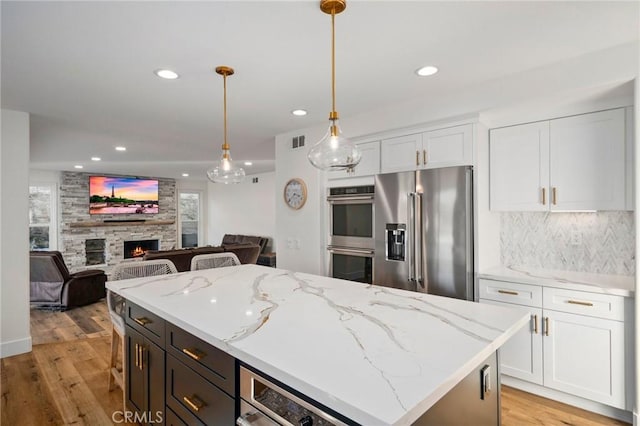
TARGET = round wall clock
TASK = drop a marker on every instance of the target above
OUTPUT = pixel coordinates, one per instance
(295, 193)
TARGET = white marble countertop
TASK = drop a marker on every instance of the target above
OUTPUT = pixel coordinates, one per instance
(376, 355)
(620, 285)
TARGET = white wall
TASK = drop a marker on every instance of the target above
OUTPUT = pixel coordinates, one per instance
(15, 335)
(636, 408)
(299, 233)
(247, 208)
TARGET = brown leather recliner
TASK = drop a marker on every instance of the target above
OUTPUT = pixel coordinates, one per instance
(247, 253)
(52, 286)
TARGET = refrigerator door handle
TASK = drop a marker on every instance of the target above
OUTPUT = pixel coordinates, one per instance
(411, 237)
(417, 235)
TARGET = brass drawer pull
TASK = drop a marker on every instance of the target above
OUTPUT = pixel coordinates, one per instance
(424, 157)
(577, 302)
(546, 326)
(417, 158)
(554, 195)
(141, 366)
(544, 196)
(511, 293)
(143, 321)
(194, 353)
(137, 355)
(194, 402)
(535, 324)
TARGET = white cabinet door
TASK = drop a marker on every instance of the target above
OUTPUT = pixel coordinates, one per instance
(521, 356)
(448, 147)
(587, 161)
(369, 163)
(584, 356)
(401, 154)
(519, 167)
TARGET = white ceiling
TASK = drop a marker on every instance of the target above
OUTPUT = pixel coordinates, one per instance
(84, 70)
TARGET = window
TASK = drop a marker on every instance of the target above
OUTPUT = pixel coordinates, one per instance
(42, 217)
(190, 228)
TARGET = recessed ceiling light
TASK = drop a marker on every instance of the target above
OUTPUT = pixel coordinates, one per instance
(166, 74)
(425, 71)
(299, 112)
(121, 148)
(96, 158)
(248, 163)
(185, 175)
(78, 166)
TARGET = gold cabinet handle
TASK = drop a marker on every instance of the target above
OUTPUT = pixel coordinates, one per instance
(511, 293)
(544, 196)
(546, 326)
(194, 353)
(417, 158)
(141, 366)
(554, 195)
(194, 402)
(143, 321)
(535, 324)
(424, 157)
(137, 355)
(577, 302)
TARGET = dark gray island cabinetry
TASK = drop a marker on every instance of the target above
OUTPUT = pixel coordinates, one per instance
(362, 354)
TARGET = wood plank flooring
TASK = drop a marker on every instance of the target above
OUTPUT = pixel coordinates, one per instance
(63, 381)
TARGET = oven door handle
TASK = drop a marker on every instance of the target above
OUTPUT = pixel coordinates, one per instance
(350, 252)
(255, 418)
(351, 199)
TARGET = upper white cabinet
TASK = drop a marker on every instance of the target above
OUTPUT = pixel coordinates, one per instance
(369, 163)
(452, 146)
(573, 163)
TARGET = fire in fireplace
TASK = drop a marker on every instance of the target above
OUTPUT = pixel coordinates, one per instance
(139, 248)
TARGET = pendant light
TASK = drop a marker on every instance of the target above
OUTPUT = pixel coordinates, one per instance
(334, 151)
(226, 171)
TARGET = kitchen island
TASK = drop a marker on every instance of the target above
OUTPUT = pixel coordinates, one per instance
(373, 355)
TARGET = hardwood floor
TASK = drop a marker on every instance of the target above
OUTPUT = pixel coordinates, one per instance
(63, 381)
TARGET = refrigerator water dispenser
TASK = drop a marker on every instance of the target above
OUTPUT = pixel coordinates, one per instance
(395, 238)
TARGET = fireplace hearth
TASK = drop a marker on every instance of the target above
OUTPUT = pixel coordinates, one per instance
(139, 247)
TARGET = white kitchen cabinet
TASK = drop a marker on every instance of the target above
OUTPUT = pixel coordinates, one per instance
(401, 154)
(452, 146)
(521, 356)
(369, 163)
(572, 163)
(584, 356)
(575, 343)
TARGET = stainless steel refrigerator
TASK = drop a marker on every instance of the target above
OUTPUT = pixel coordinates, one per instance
(424, 231)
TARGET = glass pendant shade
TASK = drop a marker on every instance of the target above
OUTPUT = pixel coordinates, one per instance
(334, 151)
(227, 171)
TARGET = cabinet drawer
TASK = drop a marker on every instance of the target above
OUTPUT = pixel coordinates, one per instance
(584, 303)
(215, 365)
(194, 399)
(504, 291)
(172, 419)
(150, 325)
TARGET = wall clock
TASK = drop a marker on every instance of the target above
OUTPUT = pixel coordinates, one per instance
(295, 193)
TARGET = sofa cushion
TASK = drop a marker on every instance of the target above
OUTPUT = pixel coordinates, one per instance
(229, 239)
(180, 258)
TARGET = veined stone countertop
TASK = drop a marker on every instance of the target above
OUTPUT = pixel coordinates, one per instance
(619, 285)
(376, 355)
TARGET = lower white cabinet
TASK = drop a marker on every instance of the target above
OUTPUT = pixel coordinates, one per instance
(575, 347)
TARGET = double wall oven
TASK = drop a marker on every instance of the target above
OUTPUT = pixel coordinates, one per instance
(351, 239)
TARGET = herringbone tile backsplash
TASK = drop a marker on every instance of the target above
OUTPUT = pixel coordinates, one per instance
(602, 242)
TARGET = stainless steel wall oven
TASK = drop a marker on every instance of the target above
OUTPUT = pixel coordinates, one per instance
(351, 217)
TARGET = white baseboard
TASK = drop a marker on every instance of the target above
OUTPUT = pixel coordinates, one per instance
(585, 404)
(15, 347)
(636, 419)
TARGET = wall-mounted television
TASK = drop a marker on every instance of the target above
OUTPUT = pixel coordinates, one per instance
(122, 195)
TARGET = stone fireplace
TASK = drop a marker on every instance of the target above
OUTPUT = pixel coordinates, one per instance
(90, 241)
(137, 248)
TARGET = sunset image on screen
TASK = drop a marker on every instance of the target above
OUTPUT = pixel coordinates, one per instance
(115, 195)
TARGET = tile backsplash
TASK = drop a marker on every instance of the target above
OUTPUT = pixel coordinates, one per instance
(601, 242)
